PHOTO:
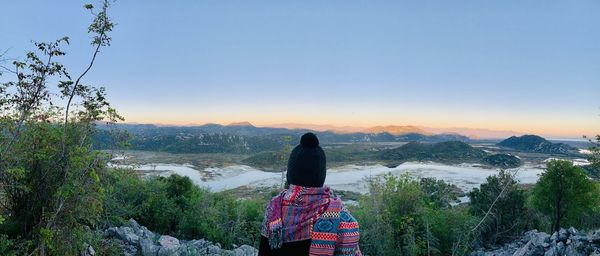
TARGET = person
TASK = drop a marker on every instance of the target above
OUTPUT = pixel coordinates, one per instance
(306, 218)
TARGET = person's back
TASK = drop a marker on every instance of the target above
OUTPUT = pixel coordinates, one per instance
(306, 219)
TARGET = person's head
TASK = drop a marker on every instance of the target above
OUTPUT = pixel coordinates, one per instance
(306, 165)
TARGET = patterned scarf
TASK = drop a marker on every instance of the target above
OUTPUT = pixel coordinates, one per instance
(291, 214)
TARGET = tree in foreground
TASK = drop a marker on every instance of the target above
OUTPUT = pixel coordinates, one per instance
(594, 158)
(595, 149)
(50, 194)
(501, 204)
(564, 192)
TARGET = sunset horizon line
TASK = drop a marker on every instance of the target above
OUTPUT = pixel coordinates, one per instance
(321, 127)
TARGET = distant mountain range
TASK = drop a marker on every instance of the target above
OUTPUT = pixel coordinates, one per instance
(318, 127)
(244, 137)
(534, 143)
(396, 130)
(474, 133)
(245, 123)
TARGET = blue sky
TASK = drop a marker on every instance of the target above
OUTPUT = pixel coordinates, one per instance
(528, 66)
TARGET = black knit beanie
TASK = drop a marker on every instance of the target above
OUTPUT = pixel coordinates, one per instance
(306, 165)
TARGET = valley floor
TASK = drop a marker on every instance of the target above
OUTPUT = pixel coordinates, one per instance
(220, 172)
(346, 178)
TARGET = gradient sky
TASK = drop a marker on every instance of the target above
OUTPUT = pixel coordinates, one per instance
(528, 66)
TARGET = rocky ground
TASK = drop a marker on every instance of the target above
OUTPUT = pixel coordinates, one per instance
(138, 240)
(565, 242)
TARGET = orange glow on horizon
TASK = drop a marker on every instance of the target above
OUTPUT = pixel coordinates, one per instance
(519, 125)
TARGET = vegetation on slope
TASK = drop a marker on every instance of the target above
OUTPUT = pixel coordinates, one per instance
(448, 152)
(241, 139)
(57, 193)
(504, 161)
(175, 206)
(534, 143)
(400, 217)
(593, 169)
(404, 216)
(336, 156)
(565, 194)
(508, 216)
(50, 191)
(453, 151)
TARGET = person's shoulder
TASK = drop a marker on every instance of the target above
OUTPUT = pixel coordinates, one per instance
(278, 197)
(275, 202)
(336, 204)
(344, 213)
(346, 216)
(337, 210)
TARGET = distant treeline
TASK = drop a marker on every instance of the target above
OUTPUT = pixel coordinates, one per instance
(247, 139)
(449, 152)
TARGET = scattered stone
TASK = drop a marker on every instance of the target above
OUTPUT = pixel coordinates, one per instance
(89, 251)
(148, 247)
(572, 231)
(551, 252)
(138, 240)
(168, 241)
(595, 238)
(570, 250)
(132, 238)
(563, 234)
(133, 224)
(554, 236)
(560, 247)
(564, 242)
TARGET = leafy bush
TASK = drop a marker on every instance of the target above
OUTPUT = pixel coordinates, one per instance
(439, 192)
(448, 231)
(403, 216)
(508, 215)
(174, 205)
(565, 194)
(388, 216)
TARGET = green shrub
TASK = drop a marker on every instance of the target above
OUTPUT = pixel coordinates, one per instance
(508, 216)
(403, 216)
(448, 230)
(175, 206)
(440, 193)
(6, 245)
(565, 194)
(125, 194)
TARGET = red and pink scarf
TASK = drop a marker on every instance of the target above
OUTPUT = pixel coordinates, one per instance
(291, 216)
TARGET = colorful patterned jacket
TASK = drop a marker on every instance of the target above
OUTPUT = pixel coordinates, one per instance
(303, 213)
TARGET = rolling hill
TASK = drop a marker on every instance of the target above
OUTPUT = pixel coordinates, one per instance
(241, 138)
(534, 143)
(453, 152)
